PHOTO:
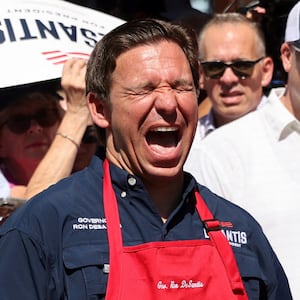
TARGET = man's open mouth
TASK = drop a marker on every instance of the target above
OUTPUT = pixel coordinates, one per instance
(163, 137)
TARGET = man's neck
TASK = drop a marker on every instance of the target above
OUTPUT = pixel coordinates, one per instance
(219, 121)
(166, 195)
(291, 106)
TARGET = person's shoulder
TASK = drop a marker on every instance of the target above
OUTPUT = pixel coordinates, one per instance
(55, 203)
(75, 184)
(275, 94)
(223, 209)
(238, 131)
(222, 146)
(237, 126)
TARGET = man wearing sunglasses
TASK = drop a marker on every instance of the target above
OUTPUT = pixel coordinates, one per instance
(234, 69)
(254, 161)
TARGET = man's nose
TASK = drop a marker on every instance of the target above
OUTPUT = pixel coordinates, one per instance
(166, 101)
(229, 76)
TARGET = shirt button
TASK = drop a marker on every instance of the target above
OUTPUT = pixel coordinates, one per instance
(131, 181)
(123, 194)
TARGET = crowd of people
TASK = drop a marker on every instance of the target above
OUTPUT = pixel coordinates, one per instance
(179, 206)
(46, 133)
(253, 160)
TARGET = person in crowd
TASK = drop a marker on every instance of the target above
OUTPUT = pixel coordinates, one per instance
(254, 161)
(40, 143)
(27, 109)
(234, 69)
(135, 225)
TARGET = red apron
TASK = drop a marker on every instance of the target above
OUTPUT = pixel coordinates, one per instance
(186, 269)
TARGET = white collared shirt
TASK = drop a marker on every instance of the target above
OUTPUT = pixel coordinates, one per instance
(206, 124)
(255, 162)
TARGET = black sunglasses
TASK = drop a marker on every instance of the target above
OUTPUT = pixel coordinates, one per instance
(241, 68)
(20, 123)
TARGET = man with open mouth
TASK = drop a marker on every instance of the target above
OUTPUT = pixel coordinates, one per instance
(134, 225)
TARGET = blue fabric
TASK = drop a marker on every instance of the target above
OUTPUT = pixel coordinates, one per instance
(55, 246)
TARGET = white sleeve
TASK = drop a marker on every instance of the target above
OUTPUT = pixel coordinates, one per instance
(4, 187)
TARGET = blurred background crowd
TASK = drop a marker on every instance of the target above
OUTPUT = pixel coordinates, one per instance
(55, 135)
(196, 12)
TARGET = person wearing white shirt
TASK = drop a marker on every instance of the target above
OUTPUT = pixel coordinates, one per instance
(234, 69)
(206, 124)
(254, 161)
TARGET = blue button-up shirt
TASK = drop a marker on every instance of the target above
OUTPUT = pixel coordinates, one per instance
(55, 246)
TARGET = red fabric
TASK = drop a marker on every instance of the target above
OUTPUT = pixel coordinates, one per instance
(191, 269)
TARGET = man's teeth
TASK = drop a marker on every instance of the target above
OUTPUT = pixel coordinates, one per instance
(164, 129)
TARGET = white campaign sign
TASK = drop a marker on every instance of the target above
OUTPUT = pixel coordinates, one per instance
(38, 36)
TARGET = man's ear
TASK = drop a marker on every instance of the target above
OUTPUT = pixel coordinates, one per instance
(286, 56)
(268, 68)
(99, 110)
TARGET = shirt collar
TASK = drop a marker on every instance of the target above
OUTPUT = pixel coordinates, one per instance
(281, 120)
(126, 181)
(207, 124)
